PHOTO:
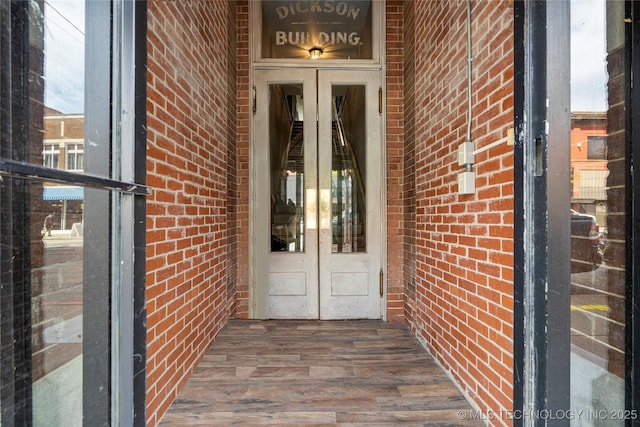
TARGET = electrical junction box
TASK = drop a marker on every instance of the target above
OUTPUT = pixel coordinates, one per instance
(465, 153)
(467, 183)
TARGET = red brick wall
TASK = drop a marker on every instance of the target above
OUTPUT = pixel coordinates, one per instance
(463, 243)
(395, 138)
(190, 166)
(232, 160)
(244, 117)
(408, 167)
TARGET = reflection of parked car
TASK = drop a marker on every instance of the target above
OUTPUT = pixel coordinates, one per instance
(585, 238)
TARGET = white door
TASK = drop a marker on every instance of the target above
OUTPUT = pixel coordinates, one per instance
(317, 175)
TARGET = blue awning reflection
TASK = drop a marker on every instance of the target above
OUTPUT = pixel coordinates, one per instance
(63, 193)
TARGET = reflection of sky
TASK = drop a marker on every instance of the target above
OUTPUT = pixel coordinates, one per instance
(64, 55)
(588, 56)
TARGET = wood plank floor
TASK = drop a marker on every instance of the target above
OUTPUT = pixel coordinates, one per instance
(318, 373)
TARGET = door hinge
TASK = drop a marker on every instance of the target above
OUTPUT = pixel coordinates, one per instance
(381, 282)
(380, 100)
(255, 100)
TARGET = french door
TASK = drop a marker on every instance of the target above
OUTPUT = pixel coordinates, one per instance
(317, 154)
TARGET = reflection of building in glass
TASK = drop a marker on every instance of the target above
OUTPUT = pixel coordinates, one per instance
(63, 148)
(598, 296)
(53, 284)
(589, 168)
(63, 141)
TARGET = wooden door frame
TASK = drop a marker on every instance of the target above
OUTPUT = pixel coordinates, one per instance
(258, 265)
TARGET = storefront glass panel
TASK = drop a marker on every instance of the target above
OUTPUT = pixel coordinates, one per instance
(65, 302)
(597, 215)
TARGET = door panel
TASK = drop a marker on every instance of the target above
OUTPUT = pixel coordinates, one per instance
(349, 153)
(284, 234)
(316, 150)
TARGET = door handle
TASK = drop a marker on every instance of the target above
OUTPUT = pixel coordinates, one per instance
(325, 209)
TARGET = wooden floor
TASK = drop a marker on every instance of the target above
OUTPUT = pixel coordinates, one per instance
(318, 373)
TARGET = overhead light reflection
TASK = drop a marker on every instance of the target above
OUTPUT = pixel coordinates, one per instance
(315, 52)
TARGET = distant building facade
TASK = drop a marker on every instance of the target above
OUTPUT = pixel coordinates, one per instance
(63, 148)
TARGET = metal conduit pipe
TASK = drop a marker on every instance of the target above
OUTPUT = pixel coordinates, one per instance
(469, 80)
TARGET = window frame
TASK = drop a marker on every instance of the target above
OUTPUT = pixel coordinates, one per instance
(541, 323)
(592, 139)
(115, 70)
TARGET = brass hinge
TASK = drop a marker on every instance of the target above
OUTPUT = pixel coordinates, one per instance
(381, 282)
(380, 100)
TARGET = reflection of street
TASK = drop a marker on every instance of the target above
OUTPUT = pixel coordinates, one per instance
(57, 304)
(597, 326)
(594, 389)
(597, 340)
(587, 288)
(65, 332)
(62, 242)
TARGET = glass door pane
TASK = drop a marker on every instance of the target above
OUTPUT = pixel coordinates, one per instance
(597, 212)
(348, 169)
(286, 154)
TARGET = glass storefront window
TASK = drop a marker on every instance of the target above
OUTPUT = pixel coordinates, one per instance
(597, 202)
(65, 302)
(57, 258)
(57, 311)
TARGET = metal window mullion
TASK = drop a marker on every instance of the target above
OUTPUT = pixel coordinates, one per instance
(140, 230)
(97, 295)
(534, 210)
(123, 75)
(632, 101)
(558, 294)
(541, 341)
(26, 170)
